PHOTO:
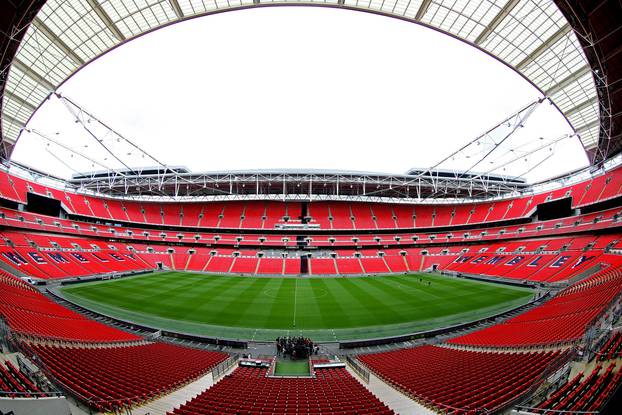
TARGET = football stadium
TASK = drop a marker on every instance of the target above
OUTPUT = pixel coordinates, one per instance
(221, 243)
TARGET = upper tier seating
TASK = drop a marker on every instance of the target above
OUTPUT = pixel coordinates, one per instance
(458, 381)
(36, 222)
(329, 215)
(248, 391)
(111, 377)
(30, 313)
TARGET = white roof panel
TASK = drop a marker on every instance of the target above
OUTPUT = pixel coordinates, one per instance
(530, 35)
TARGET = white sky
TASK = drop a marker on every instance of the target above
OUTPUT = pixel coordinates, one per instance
(295, 87)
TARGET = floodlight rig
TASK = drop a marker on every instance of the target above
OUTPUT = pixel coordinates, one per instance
(514, 122)
(527, 153)
(491, 141)
(77, 111)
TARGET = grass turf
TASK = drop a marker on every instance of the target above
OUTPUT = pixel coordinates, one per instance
(322, 308)
(292, 367)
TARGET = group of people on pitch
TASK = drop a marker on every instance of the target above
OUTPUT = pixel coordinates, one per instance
(296, 347)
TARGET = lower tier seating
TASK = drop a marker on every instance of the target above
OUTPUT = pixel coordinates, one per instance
(564, 318)
(15, 383)
(460, 381)
(248, 391)
(585, 394)
(612, 348)
(111, 377)
(30, 313)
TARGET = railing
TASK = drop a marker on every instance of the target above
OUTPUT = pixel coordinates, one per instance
(587, 273)
(563, 359)
(358, 368)
(552, 411)
(220, 369)
(36, 395)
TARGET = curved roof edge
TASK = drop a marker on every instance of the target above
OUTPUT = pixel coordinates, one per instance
(589, 96)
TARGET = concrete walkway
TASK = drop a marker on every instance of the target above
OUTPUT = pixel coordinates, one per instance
(177, 398)
(394, 399)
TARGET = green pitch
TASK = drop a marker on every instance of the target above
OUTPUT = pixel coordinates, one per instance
(291, 367)
(324, 309)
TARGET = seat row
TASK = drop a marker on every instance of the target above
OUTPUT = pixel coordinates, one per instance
(583, 394)
(459, 381)
(31, 314)
(565, 318)
(612, 348)
(249, 391)
(16, 384)
(108, 378)
(328, 215)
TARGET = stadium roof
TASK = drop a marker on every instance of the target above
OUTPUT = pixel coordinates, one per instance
(535, 37)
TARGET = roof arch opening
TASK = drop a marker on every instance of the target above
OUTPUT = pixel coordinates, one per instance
(390, 92)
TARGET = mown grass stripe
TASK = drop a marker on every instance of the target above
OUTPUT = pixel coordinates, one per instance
(356, 307)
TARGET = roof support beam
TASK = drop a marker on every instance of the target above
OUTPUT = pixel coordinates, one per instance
(20, 101)
(563, 31)
(585, 104)
(423, 9)
(588, 126)
(176, 9)
(35, 76)
(101, 13)
(573, 77)
(494, 23)
(47, 32)
(12, 120)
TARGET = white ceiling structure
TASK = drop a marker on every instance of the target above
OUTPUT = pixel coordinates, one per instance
(531, 36)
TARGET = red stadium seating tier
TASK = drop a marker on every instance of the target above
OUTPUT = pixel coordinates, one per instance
(459, 381)
(584, 394)
(31, 314)
(64, 263)
(248, 391)
(107, 378)
(53, 255)
(563, 319)
(13, 380)
(35, 223)
(548, 266)
(329, 215)
(612, 348)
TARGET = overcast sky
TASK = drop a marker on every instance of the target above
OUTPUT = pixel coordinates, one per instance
(295, 88)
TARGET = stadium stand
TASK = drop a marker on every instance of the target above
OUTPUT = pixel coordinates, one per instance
(15, 383)
(329, 215)
(583, 394)
(457, 381)
(248, 390)
(107, 378)
(33, 315)
(562, 319)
